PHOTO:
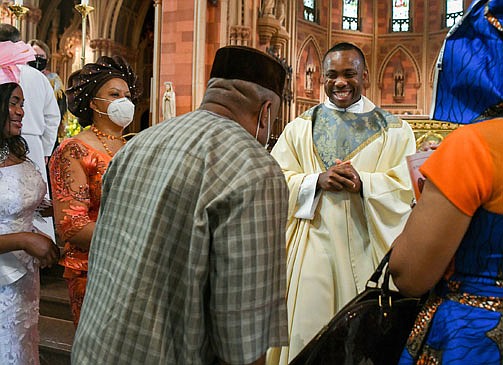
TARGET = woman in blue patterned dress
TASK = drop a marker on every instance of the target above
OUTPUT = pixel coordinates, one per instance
(453, 240)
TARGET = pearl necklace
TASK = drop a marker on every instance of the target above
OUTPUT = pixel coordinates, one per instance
(4, 153)
(102, 136)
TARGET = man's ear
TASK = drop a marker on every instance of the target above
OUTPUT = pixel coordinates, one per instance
(366, 80)
(264, 115)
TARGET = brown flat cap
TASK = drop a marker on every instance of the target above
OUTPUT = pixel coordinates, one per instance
(249, 64)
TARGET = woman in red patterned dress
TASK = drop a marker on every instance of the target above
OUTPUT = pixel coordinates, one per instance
(101, 95)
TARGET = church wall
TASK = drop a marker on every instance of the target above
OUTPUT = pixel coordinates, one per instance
(383, 16)
(213, 37)
(176, 50)
(336, 18)
(411, 101)
(423, 45)
(237, 22)
(390, 92)
(418, 14)
(309, 34)
(366, 17)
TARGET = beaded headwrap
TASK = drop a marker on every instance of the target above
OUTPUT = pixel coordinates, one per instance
(85, 83)
(469, 84)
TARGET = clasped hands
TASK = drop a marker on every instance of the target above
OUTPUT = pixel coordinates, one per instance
(341, 176)
(42, 247)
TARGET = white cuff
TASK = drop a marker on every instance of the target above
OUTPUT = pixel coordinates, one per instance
(308, 197)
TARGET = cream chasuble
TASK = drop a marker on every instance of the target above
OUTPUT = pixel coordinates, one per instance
(331, 257)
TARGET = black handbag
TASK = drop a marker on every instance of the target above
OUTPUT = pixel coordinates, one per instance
(371, 329)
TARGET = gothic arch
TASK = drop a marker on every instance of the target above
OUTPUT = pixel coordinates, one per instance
(48, 17)
(142, 14)
(113, 13)
(319, 52)
(390, 55)
(308, 86)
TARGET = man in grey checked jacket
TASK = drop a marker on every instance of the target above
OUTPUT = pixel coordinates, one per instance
(187, 261)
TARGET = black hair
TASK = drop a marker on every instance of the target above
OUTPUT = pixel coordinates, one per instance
(344, 46)
(9, 33)
(17, 144)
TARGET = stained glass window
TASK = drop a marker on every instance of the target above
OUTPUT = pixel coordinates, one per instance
(453, 12)
(400, 20)
(350, 14)
(310, 10)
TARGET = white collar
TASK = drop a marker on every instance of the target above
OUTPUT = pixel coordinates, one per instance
(353, 108)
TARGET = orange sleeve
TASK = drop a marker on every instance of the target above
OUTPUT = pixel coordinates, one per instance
(70, 188)
(462, 169)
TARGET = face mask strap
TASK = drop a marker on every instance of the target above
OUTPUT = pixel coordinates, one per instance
(258, 123)
(268, 127)
(98, 111)
(95, 97)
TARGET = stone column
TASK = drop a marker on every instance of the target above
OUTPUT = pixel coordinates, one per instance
(154, 91)
(199, 55)
(30, 21)
(267, 26)
(101, 47)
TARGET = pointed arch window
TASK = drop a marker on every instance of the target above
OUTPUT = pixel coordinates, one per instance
(310, 11)
(400, 18)
(350, 12)
(453, 12)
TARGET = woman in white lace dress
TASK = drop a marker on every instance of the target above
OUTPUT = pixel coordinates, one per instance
(22, 249)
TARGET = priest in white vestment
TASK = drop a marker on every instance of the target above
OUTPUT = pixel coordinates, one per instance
(350, 195)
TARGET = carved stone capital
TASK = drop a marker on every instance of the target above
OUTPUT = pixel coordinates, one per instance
(239, 35)
(266, 28)
(280, 37)
(100, 43)
(34, 16)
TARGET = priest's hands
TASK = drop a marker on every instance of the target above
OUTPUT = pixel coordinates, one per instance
(341, 176)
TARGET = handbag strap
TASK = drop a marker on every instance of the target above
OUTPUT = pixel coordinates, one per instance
(379, 270)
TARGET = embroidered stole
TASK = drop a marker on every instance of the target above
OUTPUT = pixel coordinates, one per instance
(341, 135)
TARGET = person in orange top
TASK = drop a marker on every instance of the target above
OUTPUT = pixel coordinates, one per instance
(100, 95)
(452, 243)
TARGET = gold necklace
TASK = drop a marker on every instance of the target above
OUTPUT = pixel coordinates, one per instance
(101, 137)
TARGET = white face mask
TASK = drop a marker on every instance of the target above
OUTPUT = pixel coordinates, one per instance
(268, 126)
(120, 111)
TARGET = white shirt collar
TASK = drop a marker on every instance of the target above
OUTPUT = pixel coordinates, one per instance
(353, 108)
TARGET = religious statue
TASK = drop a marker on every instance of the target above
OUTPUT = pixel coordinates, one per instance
(268, 8)
(280, 11)
(168, 101)
(309, 79)
(399, 81)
